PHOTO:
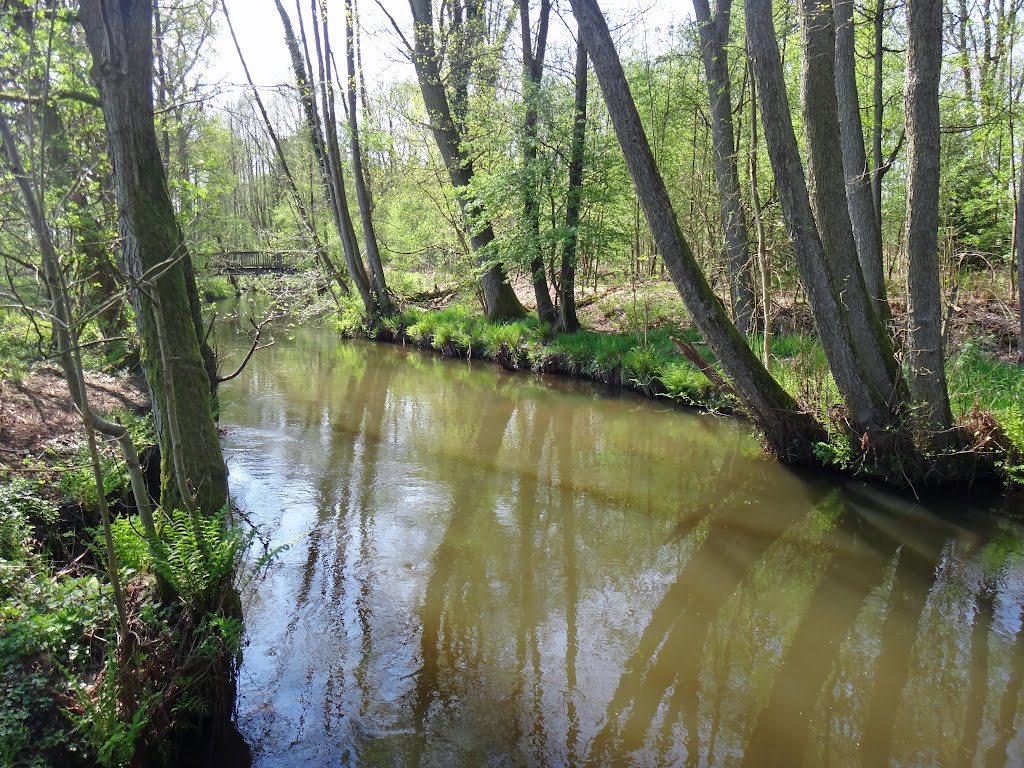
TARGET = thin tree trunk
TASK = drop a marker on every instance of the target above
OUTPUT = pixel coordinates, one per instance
(67, 341)
(1020, 262)
(714, 37)
(500, 301)
(304, 215)
(152, 247)
(570, 246)
(327, 157)
(921, 105)
(788, 431)
(855, 163)
(762, 255)
(533, 71)
(877, 125)
(380, 286)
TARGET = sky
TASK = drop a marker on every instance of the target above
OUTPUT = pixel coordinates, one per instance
(258, 27)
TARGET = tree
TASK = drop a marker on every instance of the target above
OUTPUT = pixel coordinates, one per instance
(152, 255)
(384, 304)
(788, 431)
(921, 104)
(322, 131)
(871, 399)
(567, 274)
(714, 37)
(447, 124)
(866, 226)
(533, 71)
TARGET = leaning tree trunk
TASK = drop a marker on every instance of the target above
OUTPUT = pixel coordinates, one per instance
(789, 432)
(869, 409)
(500, 301)
(304, 214)
(921, 105)
(328, 161)
(380, 286)
(714, 37)
(570, 245)
(152, 248)
(533, 71)
(855, 163)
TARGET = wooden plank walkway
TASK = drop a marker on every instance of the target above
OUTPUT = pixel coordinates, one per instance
(254, 261)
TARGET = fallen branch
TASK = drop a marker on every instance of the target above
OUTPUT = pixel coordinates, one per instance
(690, 353)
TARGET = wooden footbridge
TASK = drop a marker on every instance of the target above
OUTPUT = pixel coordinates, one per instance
(255, 262)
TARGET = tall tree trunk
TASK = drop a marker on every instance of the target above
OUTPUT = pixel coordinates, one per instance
(152, 247)
(304, 214)
(788, 431)
(533, 72)
(878, 113)
(328, 158)
(714, 37)
(380, 286)
(762, 251)
(570, 246)
(500, 301)
(855, 163)
(1020, 262)
(870, 410)
(921, 105)
(829, 202)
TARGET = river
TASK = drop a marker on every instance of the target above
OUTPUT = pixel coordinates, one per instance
(480, 568)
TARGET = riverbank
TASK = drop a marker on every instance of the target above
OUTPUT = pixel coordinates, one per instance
(75, 691)
(649, 347)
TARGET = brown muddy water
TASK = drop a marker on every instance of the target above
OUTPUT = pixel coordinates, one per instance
(491, 569)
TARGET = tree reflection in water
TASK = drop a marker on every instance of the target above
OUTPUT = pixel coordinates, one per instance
(514, 571)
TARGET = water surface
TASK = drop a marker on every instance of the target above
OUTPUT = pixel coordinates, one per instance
(509, 570)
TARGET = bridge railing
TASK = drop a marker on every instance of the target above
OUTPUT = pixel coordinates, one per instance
(254, 261)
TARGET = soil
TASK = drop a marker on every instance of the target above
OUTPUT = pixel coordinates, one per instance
(37, 415)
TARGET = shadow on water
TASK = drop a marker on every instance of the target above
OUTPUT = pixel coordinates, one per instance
(489, 569)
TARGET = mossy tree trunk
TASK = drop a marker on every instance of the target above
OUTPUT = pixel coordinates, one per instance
(153, 252)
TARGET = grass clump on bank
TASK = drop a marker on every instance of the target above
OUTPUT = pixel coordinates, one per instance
(647, 360)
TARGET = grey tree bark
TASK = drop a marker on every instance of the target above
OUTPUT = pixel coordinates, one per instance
(866, 228)
(500, 301)
(152, 247)
(380, 286)
(870, 336)
(921, 104)
(570, 246)
(1019, 247)
(790, 432)
(300, 206)
(328, 159)
(714, 37)
(533, 72)
(871, 411)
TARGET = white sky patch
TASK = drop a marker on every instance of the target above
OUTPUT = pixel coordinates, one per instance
(640, 24)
